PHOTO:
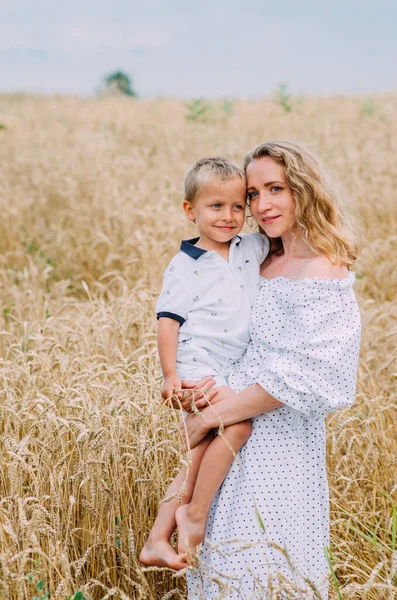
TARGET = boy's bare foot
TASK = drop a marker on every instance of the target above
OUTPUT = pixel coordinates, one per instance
(191, 531)
(160, 553)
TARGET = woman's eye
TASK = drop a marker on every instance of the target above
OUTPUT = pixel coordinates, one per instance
(276, 188)
(251, 196)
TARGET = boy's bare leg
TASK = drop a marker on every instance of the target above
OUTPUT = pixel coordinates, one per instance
(191, 518)
(158, 551)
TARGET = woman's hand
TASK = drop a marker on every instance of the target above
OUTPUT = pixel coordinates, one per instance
(196, 394)
(221, 393)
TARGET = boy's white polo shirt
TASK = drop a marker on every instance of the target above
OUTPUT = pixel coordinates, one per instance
(211, 298)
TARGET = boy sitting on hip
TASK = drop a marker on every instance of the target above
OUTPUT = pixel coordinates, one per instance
(203, 311)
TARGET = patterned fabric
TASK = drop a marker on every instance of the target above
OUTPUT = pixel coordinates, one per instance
(304, 351)
(212, 299)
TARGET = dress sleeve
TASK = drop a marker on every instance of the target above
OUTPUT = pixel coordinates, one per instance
(314, 368)
(175, 300)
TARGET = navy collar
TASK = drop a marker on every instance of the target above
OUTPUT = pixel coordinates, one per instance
(189, 247)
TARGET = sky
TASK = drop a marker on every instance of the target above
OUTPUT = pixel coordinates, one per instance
(207, 48)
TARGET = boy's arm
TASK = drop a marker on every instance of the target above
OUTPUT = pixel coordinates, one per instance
(167, 343)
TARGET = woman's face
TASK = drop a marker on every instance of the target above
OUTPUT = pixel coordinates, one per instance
(271, 201)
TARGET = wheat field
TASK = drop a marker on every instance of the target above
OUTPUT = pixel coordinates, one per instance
(90, 216)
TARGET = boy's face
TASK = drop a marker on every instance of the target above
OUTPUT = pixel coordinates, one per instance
(219, 209)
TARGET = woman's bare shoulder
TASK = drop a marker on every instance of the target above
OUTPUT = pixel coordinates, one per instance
(322, 268)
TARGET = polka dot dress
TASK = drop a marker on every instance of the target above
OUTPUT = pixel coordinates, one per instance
(270, 517)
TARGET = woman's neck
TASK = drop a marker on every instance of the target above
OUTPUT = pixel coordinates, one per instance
(294, 246)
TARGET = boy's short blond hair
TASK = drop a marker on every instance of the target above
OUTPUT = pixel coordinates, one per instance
(206, 170)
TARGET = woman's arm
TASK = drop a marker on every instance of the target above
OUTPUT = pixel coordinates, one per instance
(233, 408)
(230, 408)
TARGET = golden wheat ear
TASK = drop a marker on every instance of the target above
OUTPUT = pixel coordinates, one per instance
(90, 191)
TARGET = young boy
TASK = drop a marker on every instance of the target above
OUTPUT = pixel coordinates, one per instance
(203, 311)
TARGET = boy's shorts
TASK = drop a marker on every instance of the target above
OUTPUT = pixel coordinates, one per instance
(194, 363)
(196, 375)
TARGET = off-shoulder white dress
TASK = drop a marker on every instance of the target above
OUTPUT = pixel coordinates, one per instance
(271, 514)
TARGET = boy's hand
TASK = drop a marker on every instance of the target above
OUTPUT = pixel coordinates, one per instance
(170, 384)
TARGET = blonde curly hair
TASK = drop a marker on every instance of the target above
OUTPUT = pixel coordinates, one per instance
(327, 227)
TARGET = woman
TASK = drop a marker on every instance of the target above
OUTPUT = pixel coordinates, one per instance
(271, 516)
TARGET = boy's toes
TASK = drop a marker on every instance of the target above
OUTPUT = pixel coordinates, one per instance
(178, 563)
(161, 554)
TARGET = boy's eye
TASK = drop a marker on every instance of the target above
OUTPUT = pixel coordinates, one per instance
(238, 207)
(216, 205)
